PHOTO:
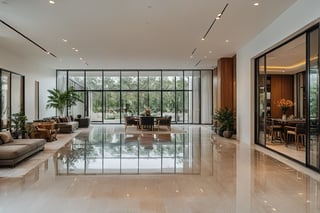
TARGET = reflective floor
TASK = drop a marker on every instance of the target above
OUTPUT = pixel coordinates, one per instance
(103, 152)
(220, 176)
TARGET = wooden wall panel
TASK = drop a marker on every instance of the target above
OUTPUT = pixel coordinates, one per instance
(225, 74)
(281, 87)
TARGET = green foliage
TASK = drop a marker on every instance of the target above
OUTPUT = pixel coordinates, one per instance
(61, 99)
(18, 121)
(225, 117)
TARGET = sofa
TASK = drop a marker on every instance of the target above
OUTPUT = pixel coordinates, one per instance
(13, 151)
(64, 124)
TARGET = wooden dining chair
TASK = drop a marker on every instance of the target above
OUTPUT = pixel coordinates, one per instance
(274, 129)
(298, 132)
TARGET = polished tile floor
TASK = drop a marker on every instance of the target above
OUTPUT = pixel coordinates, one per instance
(229, 177)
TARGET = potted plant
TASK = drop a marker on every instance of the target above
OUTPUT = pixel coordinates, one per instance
(18, 121)
(224, 117)
(62, 99)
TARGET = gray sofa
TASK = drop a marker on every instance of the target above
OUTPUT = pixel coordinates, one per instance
(13, 152)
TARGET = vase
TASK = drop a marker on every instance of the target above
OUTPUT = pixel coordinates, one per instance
(284, 117)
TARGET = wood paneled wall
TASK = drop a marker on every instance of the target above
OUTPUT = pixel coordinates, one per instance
(225, 83)
(281, 87)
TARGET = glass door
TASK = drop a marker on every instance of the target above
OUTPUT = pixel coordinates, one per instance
(313, 145)
(262, 110)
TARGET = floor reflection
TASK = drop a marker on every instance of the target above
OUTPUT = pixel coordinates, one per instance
(102, 152)
(233, 177)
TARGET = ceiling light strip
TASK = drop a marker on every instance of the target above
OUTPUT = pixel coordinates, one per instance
(194, 50)
(197, 63)
(27, 38)
(214, 21)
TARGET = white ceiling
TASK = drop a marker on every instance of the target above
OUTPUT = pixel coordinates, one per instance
(133, 34)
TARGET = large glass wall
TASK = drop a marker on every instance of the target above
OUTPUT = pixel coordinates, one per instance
(287, 81)
(109, 95)
(12, 96)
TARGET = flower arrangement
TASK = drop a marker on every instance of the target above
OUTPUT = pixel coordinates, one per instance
(284, 105)
(148, 111)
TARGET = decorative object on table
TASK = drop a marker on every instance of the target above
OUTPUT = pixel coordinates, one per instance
(79, 116)
(62, 99)
(148, 111)
(225, 119)
(284, 105)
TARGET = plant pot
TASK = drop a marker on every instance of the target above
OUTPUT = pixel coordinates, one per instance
(227, 134)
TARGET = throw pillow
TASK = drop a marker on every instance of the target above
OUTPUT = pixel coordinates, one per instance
(6, 137)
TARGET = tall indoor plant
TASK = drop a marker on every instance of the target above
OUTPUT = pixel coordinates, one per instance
(61, 100)
(225, 118)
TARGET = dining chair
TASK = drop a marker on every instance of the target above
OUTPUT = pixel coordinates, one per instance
(274, 129)
(298, 132)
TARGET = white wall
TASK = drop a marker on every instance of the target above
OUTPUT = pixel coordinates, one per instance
(293, 19)
(32, 72)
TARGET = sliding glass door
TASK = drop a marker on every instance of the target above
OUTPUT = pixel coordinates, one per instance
(288, 77)
(314, 100)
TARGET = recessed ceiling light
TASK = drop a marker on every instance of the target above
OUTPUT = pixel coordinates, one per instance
(218, 17)
(191, 56)
(210, 51)
(205, 56)
(76, 50)
(202, 39)
(48, 53)
(64, 40)
(256, 4)
(73, 48)
(227, 41)
(51, 2)
(80, 58)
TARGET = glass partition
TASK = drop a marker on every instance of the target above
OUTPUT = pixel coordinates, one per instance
(314, 102)
(287, 102)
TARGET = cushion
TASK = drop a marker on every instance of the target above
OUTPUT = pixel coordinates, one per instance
(6, 137)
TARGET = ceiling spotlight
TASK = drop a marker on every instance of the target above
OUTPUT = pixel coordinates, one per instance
(64, 40)
(48, 53)
(202, 39)
(227, 41)
(218, 17)
(76, 50)
(73, 48)
(256, 4)
(51, 2)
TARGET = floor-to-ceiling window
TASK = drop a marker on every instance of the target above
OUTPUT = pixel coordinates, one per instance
(11, 96)
(109, 95)
(287, 81)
